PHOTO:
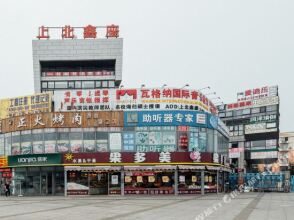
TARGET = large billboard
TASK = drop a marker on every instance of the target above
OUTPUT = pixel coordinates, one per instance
(132, 99)
(17, 106)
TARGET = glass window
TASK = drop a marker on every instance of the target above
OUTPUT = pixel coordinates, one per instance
(240, 127)
(71, 85)
(238, 112)
(89, 141)
(60, 85)
(102, 141)
(44, 85)
(222, 114)
(37, 137)
(2, 144)
(26, 142)
(246, 111)
(7, 144)
(104, 84)
(98, 84)
(271, 125)
(78, 84)
(247, 144)
(229, 114)
(50, 85)
(63, 142)
(262, 109)
(111, 84)
(271, 108)
(88, 84)
(255, 110)
(76, 141)
(50, 137)
(231, 128)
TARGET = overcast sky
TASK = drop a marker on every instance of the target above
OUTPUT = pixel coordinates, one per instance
(227, 45)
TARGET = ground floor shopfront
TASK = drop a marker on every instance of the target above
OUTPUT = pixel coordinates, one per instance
(126, 173)
(118, 180)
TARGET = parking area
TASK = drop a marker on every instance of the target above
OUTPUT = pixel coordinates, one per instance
(223, 206)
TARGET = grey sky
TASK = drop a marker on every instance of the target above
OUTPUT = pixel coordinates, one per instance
(229, 45)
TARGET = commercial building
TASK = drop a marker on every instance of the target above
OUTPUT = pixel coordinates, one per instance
(253, 122)
(105, 140)
(286, 151)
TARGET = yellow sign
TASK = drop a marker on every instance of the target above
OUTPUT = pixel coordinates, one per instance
(3, 161)
(139, 179)
(151, 179)
(165, 179)
(194, 179)
(17, 106)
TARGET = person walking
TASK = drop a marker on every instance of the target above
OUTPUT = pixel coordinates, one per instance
(7, 189)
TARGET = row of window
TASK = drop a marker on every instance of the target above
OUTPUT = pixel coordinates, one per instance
(142, 139)
(248, 111)
(77, 84)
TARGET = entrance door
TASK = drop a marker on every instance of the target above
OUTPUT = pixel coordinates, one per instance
(98, 182)
(46, 183)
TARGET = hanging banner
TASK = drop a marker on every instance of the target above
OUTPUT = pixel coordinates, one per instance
(132, 99)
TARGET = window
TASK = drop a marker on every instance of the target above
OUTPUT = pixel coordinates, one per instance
(255, 110)
(98, 84)
(229, 114)
(50, 85)
(271, 108)
(44, 85)
(71, 85)
(222, 114)
(88, 84)
(111, 84)
(78, 84)
(60, 85)
(262, 109)
(238, 112)
(246, 111)
(271, 125)
(104, 84)
(258, 144)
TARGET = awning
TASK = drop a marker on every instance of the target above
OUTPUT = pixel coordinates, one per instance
(148, 168)
(213, 168)
(187, 167)
(92, 168)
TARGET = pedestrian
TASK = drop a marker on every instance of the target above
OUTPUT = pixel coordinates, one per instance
(7, 189)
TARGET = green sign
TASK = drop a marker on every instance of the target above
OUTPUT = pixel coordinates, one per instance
(34, 160)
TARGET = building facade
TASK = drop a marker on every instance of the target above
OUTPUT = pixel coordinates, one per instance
(83, 136)
(253, 122)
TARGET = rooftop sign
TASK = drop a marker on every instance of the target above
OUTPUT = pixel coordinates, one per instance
(88, 32)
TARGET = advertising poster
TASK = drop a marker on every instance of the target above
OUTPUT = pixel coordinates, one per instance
(63, 147)
(76, 146)
(129, 141)
(128, 179)
(151, 179)
(114, 179)
(102, 145)
(49, 147)
(40, 102)
(115, 141)
(155, 138)
(38, 147)
(89, 145)
(182, 179)
(26, 147)
(139, 179)
(165, 179)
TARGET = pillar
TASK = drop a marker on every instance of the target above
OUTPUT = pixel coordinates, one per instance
(65, 182)
(217, 181)
(176, 182)
(122, 182)
(202, 182)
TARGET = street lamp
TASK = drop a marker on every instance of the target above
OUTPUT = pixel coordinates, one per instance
(207, 87)
(121, 86)
(143, 86)
(187, 85)
(211, 93)
(164, 85)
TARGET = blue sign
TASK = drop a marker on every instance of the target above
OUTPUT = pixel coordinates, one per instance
(165, 118)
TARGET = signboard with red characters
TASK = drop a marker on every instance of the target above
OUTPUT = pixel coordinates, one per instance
(133, 157)
(132, 99)
(89, 31)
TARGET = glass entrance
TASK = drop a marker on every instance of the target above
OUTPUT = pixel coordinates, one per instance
(98, 183)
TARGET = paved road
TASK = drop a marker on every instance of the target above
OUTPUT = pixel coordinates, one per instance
(252, 206)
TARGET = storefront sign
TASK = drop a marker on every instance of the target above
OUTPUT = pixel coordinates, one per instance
(253, 103)
(263, 118)
(264, 154)
(165, 118)
(116, 158)
(258, 93)
(6, 172)
(258, 128)
(34, 160)
(132, 99)
(63, 120)
(22, 105)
